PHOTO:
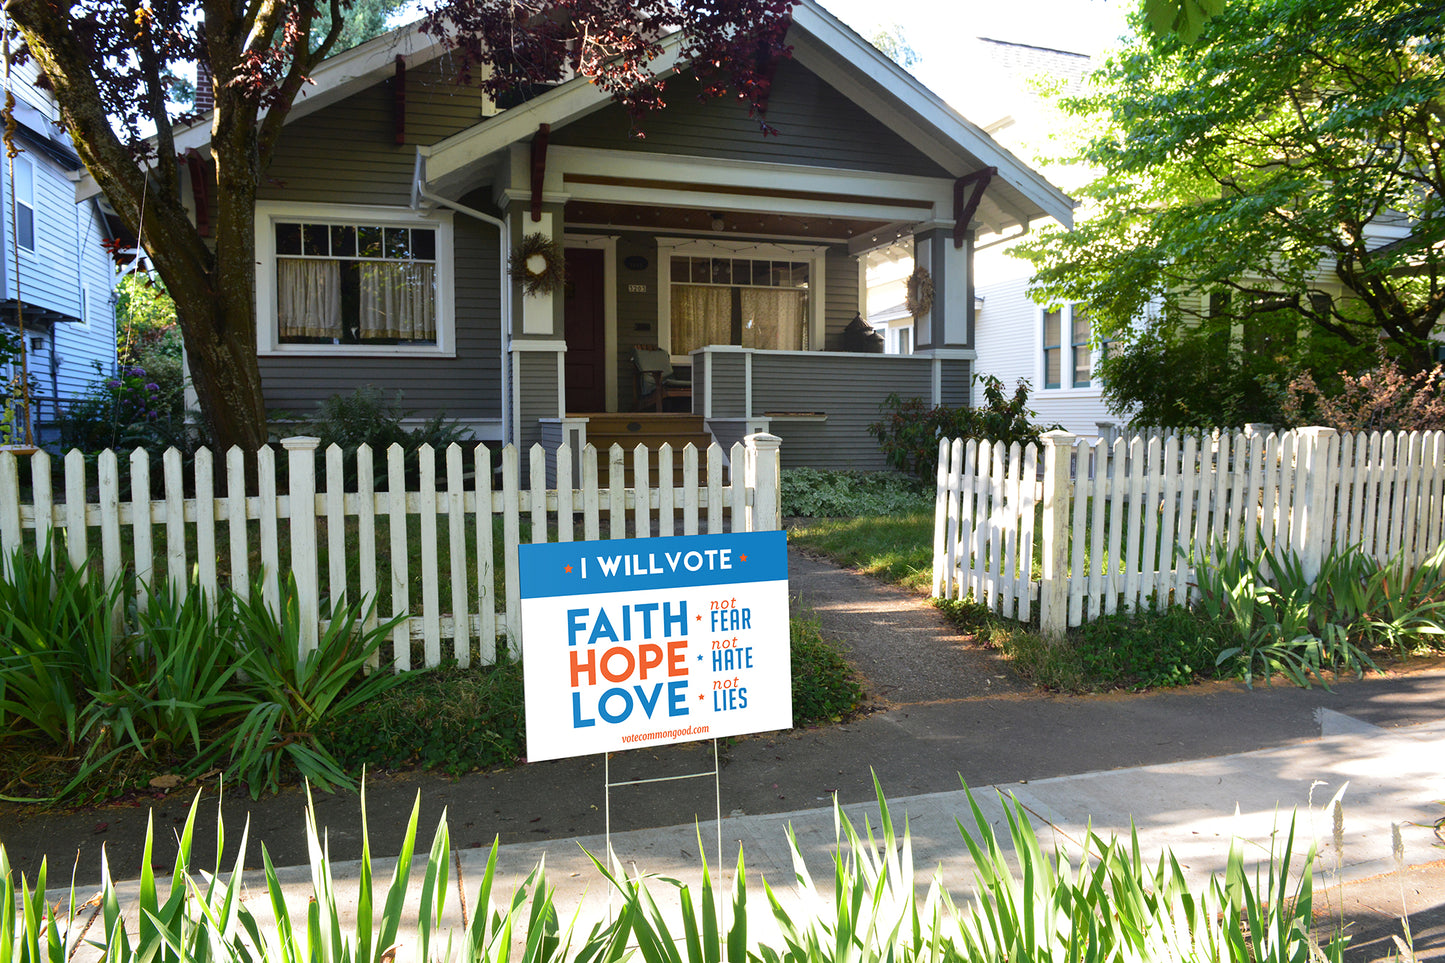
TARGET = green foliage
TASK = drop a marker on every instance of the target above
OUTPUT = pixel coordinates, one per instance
(1382, 398)
(300, 695)
(177, 688)
(910, 431)
(448, 718)
(1219, 217)
(368, 417)
(823, 493)
(144, 313)
(181, 685)
(824, 689)
(1102, 903)
(58, 645)
(898, 548)
(1285, 622)
(1147, 649)
(124, 411)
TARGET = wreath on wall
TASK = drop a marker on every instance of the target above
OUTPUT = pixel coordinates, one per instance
(919, 297)
(537, 263)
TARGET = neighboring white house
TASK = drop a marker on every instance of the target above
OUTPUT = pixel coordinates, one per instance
(1017, 339)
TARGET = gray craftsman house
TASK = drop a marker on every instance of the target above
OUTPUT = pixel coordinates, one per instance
(388, 218)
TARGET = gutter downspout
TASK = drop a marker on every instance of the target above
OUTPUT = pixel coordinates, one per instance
(419, 193)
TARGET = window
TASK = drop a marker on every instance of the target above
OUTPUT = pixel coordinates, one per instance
(25, 202)
(338, 280)
(743, 301)
(739, 293)
(1083, 362)
(1068, 362)
(1053, 359)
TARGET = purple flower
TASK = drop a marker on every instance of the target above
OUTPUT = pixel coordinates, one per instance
(152, 387)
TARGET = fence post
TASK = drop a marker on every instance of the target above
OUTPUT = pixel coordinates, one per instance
(1054, 587)
(1315, 476)
(301, 478)
(763, 478)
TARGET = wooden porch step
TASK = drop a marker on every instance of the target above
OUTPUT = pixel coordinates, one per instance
(630, 429)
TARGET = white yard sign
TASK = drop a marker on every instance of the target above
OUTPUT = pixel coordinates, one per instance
(646, 641)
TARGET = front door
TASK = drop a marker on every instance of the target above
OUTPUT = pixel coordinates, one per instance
(586, 345)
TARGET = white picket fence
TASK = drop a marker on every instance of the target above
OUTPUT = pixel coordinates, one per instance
(1123, 526)
(205, 543)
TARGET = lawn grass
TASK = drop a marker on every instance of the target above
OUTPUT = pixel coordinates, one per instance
(895, 548)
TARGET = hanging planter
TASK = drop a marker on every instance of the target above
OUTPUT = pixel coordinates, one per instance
(919, 299)
(537, 263)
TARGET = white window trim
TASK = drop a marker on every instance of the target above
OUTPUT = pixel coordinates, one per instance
(816, 255)
(268, 344)
(18, 160)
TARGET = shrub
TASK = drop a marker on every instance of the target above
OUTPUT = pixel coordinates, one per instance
(124, 411)
(368, 417)
(819, 493)
(1282, 621)
(1383, 398)
(910, 431)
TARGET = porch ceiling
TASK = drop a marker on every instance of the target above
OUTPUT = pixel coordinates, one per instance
(694, 220)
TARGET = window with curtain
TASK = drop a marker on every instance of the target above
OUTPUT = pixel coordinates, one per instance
(355, 284)
(749, 302)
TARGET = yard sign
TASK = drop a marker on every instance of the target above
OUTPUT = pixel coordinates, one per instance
(647, 641)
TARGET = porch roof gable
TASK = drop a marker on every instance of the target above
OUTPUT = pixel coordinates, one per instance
(843, 59)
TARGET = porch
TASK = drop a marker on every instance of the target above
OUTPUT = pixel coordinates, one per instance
(820, 402)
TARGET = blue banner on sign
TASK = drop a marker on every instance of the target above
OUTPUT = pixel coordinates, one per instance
(634, 564)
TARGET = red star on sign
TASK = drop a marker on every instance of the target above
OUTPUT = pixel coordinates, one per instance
(743, 557)
(568, 569)
(697, 618)
(699, 698)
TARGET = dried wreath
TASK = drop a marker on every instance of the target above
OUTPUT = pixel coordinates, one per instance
(537, 263)
(919, 299)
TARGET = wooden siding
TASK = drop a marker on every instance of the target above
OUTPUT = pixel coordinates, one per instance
(80, 346)
(1008, 337)
(729, 385)
(67, 255)
(539, 393)
(956, 379)
(374, 169)
(847, 389)
(465, 387)
(817, 126)
(840, 296)
(49, 275)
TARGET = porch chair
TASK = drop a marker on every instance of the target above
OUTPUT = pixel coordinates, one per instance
(656, 380)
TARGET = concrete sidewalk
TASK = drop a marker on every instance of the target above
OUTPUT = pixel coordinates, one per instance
(1194, 809)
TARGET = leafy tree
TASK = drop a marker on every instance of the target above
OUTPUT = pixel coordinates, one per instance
(110, 65)
(894, 45)
(1271, 194)
(144, 312)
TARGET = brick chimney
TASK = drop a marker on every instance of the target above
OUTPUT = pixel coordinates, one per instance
(205, 83)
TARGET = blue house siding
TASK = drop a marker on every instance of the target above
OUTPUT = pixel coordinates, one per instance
(63, 286)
